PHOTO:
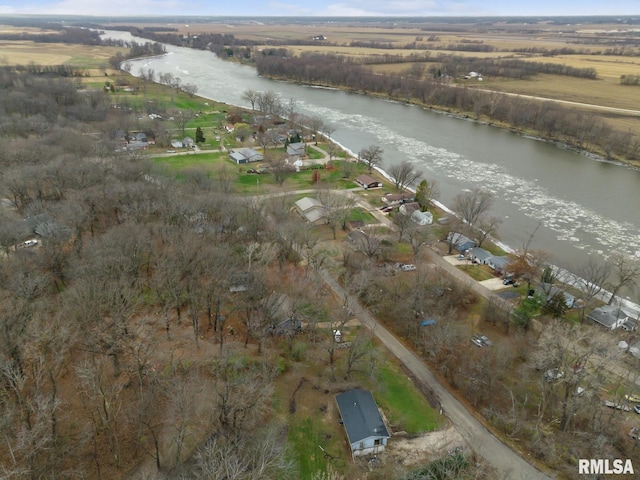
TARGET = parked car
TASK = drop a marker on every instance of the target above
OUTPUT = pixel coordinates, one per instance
(461, 257)
(171, 151)
(29, 243)
(632, 398)
(408, 268)
(510, 280)
(481, 340)
(636, 408)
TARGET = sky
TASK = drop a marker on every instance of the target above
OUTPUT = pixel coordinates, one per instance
(339, 8)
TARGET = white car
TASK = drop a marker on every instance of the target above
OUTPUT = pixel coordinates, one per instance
(408, 268)
(29, 243)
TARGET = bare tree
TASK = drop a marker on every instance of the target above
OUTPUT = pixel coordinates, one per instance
(251, 96)
(473, 206)
(591, 279)
(279, 168)
(104, 404)
(371, 156)
(573, 361)
(403, 174)
(486, 228)
(315, 124)
(181, 118)
(624, 273)
(337, 208)
(269, 103)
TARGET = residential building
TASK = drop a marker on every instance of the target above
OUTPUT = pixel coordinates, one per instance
(422, 218)
(312, 210)
(609, 316)
(366, 431)
(368, 182)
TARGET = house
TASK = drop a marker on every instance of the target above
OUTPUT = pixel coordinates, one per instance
(397, 198)
(135, 146)
(368, 182)
(297, 149)
(366, 431)
(237, 157)
(479, 255)
(549, 291)
(409, 208)
(422, 218)
(460, 242)
(609, 316)
(279, 309)
(498, 263)
(245, 155)
(312, 210)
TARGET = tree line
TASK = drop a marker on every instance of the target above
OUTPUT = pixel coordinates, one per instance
(549, 120)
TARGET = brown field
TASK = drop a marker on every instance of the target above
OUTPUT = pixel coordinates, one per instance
(82, 56)
(506, 39)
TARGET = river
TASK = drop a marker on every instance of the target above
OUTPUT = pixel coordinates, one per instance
(585, 206)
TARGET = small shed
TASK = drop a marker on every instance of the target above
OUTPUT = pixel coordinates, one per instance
(366, 431)
(368, 182)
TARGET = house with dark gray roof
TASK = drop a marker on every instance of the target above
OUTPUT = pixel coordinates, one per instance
(498, 263)
(366, 431)
(297, 149)
(460, 242)
(609, 316)
(245, 155)
(479, 255)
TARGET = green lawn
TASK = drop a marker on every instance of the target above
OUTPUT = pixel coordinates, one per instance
(477, 272)
(305, 437)
(403, 403)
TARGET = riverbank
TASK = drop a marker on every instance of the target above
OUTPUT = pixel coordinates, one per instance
(593, 154)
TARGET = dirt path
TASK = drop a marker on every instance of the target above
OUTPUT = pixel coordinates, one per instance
(413, 450)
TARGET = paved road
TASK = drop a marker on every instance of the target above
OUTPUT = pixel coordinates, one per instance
(509, 464)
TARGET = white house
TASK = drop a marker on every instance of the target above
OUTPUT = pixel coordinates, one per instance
(422, 218)
(366, 431)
